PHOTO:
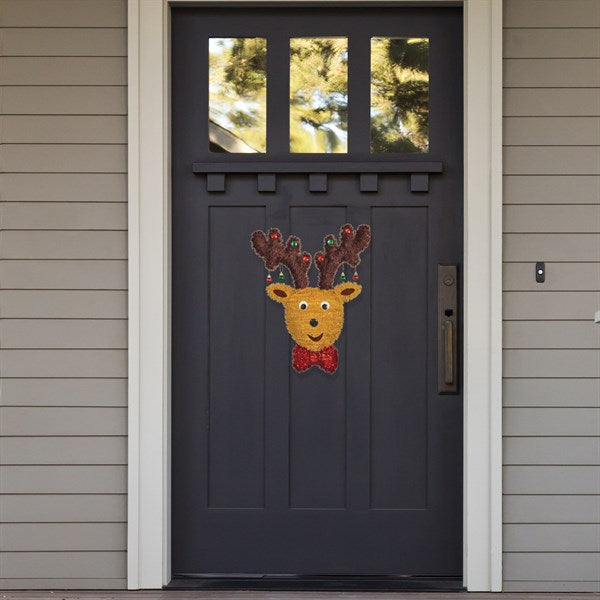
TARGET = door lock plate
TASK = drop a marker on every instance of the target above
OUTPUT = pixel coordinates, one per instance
(447, 329)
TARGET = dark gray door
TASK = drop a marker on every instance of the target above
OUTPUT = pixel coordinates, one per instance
(305, 119)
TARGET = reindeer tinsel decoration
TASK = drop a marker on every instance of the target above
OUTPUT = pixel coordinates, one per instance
(314, 315)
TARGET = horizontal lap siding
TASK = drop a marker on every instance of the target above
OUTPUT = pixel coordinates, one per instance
(63, 244)
(46, 446)
(66, 333)
(71, 129)
(63, 304)
(77, 274)
(63, 294)
(551, 131)
(63, 508)
(551, 419)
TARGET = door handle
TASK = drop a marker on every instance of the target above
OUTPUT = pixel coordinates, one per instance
(448, 352)
(447, 329)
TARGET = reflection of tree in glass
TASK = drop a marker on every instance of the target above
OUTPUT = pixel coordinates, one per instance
(399, 95)
(237, 84)
(318, 94)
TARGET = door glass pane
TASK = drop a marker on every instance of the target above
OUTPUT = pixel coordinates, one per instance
(237, 94)
(319, 94)
(399, 94)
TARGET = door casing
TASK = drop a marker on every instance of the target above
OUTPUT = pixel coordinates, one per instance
(148, 544)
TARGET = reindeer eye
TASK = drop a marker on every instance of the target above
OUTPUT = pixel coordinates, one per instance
(324, 305)
(303, 305)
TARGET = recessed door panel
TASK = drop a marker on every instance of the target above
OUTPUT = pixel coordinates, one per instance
(399, 358)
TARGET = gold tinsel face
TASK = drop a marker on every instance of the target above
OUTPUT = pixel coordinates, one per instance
(314, 317)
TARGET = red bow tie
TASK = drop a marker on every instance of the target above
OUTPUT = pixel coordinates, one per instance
(326, 359)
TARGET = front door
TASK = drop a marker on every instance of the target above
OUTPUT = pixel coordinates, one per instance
(305, 119)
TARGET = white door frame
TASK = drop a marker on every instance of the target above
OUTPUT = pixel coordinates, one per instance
(148, 549)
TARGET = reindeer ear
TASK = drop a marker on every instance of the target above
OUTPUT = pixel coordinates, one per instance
(347, 291)
(280, 292)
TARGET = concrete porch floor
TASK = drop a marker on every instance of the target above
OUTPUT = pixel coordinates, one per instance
(259, 595)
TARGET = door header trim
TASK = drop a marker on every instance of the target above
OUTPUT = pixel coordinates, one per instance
(318, 167)
(148, 544)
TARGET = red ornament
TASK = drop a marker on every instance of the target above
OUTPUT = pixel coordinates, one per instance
(305, 257)
(274, 236)
(347, 230)
(320, 258)
(355, 277)
(269, 278)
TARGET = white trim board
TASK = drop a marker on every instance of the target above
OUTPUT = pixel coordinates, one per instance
(148, 543)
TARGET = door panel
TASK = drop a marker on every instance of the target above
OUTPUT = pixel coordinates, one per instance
(276, 472)
(399, 358)
(235, 404)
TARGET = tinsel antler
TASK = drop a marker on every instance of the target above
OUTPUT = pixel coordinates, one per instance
(274, 252)
(348, 251)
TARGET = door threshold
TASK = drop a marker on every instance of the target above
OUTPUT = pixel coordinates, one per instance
(316, 583)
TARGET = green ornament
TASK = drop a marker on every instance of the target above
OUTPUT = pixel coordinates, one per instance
(330, 242)
(281, 277)
(343, 276)
(294, 243)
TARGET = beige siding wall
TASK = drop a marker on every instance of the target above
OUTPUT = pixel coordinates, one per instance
(551, 345)
(63, 297)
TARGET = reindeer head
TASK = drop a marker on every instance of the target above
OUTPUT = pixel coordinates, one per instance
(314, 315)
